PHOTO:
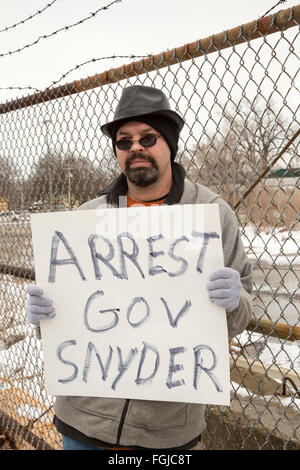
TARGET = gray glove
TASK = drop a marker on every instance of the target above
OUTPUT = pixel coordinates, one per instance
(38, 306)
(224, 288)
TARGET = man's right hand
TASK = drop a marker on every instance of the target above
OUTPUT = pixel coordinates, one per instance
(38, 306)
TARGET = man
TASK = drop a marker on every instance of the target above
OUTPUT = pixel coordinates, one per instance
(144, 134)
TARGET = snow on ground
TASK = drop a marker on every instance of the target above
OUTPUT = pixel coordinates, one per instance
(280, 248)
(273, 246)
(285, 354)
(289, 402)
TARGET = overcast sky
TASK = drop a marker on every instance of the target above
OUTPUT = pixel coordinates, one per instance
(137, 27)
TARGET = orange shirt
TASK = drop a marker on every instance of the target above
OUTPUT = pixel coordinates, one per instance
(132, 202)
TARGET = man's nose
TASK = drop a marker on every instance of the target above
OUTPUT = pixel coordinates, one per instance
(137, 147)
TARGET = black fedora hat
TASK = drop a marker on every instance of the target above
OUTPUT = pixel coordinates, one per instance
(138, 101)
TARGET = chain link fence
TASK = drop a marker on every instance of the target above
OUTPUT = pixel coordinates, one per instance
(238, 92)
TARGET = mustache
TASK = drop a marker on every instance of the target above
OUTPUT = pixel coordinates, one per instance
(140, 156)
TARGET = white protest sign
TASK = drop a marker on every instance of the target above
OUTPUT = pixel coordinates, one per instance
(133, 318)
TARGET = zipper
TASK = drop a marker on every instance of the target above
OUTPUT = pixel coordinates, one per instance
(123, 416)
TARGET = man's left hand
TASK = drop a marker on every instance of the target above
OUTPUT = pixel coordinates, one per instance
(224, 288)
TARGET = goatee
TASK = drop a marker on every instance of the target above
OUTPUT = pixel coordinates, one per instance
(141, 176)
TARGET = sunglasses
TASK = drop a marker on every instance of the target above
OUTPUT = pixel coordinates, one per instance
(149, 140)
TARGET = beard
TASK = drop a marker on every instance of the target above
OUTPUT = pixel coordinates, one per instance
(141, 176)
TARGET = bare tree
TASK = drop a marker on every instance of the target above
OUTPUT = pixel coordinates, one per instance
(244, 147)
(64, 180)
(8, 176)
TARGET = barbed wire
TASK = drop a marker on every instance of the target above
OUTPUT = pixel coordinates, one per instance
(131, 56)
(19, 88)
(7, 28)
(271, 9)
(64, 28)
(76, 67)
(106, 7)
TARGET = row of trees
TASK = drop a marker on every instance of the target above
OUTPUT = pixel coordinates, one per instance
(239, 152)
(228, 162)
(57, 181)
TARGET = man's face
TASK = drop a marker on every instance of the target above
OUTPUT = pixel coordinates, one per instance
(143, 166)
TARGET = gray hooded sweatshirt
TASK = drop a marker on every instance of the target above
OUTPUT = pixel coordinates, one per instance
(160, 424)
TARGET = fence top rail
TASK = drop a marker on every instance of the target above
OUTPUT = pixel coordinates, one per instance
(282, 20)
